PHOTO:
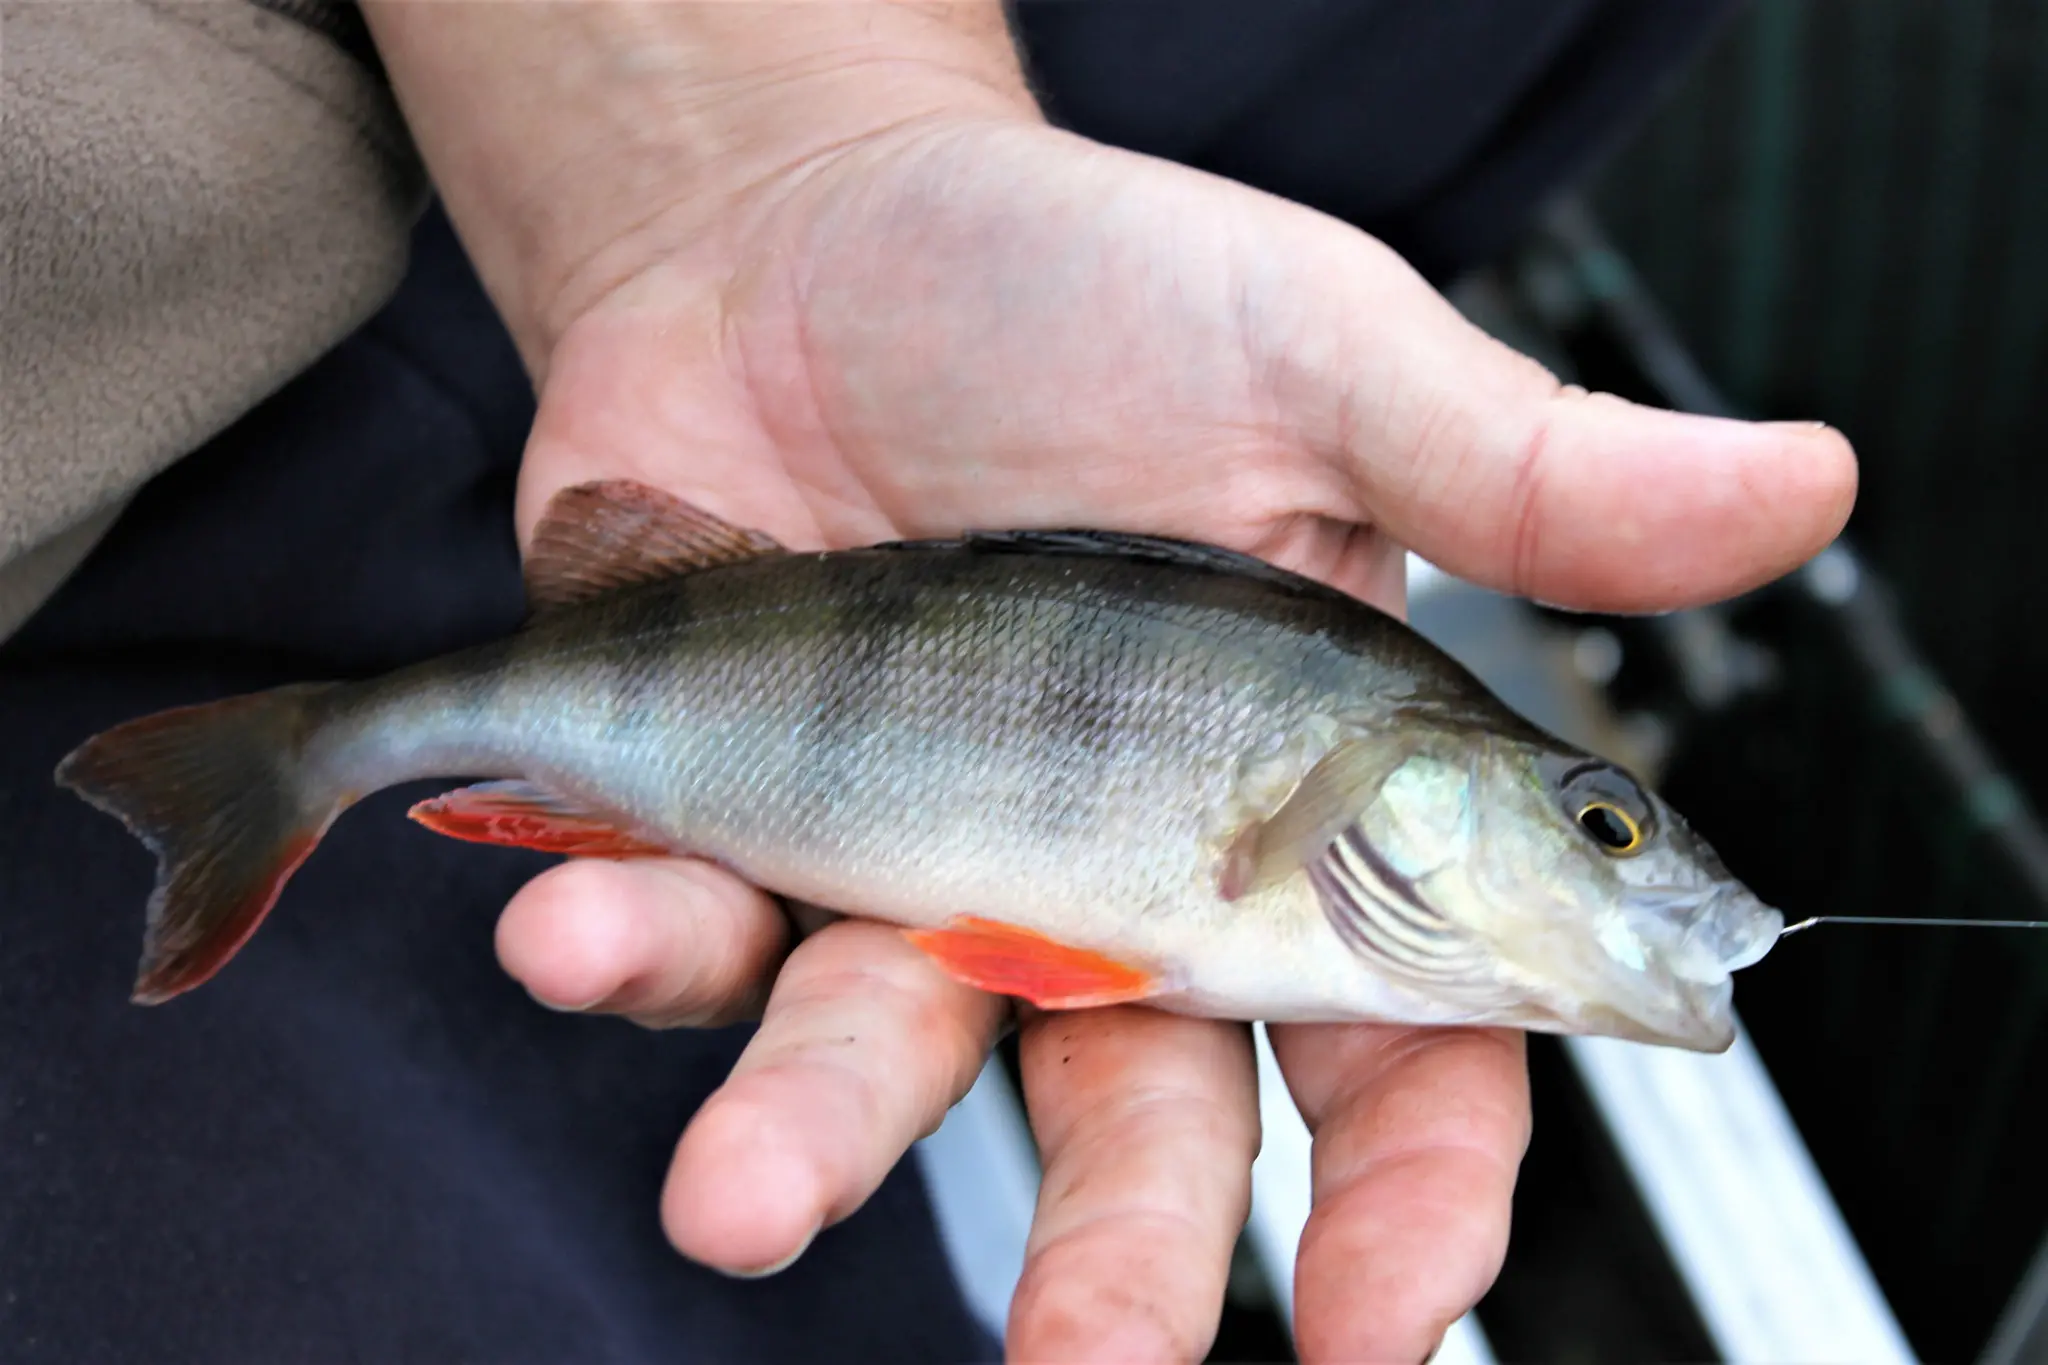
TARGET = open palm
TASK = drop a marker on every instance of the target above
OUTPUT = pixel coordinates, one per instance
(989, 324)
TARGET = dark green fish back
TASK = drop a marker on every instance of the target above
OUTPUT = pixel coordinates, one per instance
(878, 591)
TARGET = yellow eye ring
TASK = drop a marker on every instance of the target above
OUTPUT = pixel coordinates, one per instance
(1611, 827)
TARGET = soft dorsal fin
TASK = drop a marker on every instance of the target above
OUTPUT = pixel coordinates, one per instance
(597, 537)
(1126, 545)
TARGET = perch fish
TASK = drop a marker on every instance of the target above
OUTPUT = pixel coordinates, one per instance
(1078, 768)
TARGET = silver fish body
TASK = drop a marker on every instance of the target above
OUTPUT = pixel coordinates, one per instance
(1050, 741)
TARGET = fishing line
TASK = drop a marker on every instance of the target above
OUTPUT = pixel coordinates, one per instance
(1920, 923)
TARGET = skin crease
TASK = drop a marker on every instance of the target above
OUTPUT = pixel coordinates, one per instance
(829, 274)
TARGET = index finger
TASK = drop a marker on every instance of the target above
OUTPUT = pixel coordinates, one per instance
(1147, 1123)
(1418, 1136)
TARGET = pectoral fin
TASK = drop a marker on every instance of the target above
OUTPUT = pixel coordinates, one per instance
(1005, 960)
(1329, 797)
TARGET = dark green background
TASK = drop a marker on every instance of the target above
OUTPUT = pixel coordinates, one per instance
(1844, 209)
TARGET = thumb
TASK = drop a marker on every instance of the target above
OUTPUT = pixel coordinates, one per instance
(1473, 456)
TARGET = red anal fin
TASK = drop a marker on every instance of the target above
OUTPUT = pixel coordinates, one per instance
(1005, 960)
(521, 815)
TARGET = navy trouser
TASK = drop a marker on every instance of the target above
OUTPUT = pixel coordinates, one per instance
(363, 1141)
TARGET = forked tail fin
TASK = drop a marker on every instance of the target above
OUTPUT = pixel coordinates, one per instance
(220, 793)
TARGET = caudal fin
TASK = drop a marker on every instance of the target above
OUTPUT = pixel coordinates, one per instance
(219, 793)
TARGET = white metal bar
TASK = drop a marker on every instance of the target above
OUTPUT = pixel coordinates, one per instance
(1751, 1226)
(981, 1171)
(2021, 1336)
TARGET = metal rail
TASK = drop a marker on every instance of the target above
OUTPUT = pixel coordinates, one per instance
(1771, 1266)
(2021, 1336)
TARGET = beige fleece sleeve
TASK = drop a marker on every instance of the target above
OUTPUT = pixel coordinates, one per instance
(197, 198)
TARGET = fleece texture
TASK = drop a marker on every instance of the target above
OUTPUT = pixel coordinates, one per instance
(197, 200)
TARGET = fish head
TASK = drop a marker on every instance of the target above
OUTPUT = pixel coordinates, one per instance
(1584, 902)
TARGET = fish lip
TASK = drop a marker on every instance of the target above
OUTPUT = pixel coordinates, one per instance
(1709, 1022)
(1651, 1004)
(1695, 1016)
(1732, 930)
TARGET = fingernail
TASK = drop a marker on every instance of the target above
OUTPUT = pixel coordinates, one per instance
(1802, 428)
(559, 1008)
(777, 1267)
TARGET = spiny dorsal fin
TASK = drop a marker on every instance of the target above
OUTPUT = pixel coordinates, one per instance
(598, 537)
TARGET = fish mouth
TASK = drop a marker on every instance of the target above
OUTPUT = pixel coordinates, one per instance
(1735, 931)
(1727, 931)
(1683, 994)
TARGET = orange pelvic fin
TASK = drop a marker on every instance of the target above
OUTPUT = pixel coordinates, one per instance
(521, 815)
(1006, 960)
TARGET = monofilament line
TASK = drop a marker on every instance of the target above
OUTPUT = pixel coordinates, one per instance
(1919, 923)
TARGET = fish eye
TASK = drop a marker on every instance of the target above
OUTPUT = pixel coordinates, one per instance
(1613, 828)
(1606, 803)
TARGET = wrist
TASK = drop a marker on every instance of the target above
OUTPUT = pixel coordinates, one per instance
(576, 144)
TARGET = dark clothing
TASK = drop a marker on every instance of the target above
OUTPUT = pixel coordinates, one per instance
(363, 1141)
(1435, 125)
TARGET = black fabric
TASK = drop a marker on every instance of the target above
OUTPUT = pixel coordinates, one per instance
(362, 1141)
(1436, 125)
(341, 22)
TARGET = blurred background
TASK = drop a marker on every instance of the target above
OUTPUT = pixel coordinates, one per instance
(1843, 214)
(1839, 213)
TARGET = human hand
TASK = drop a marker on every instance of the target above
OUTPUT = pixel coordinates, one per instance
(956, 316)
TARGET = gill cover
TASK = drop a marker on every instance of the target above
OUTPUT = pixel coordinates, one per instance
(1337, 826)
